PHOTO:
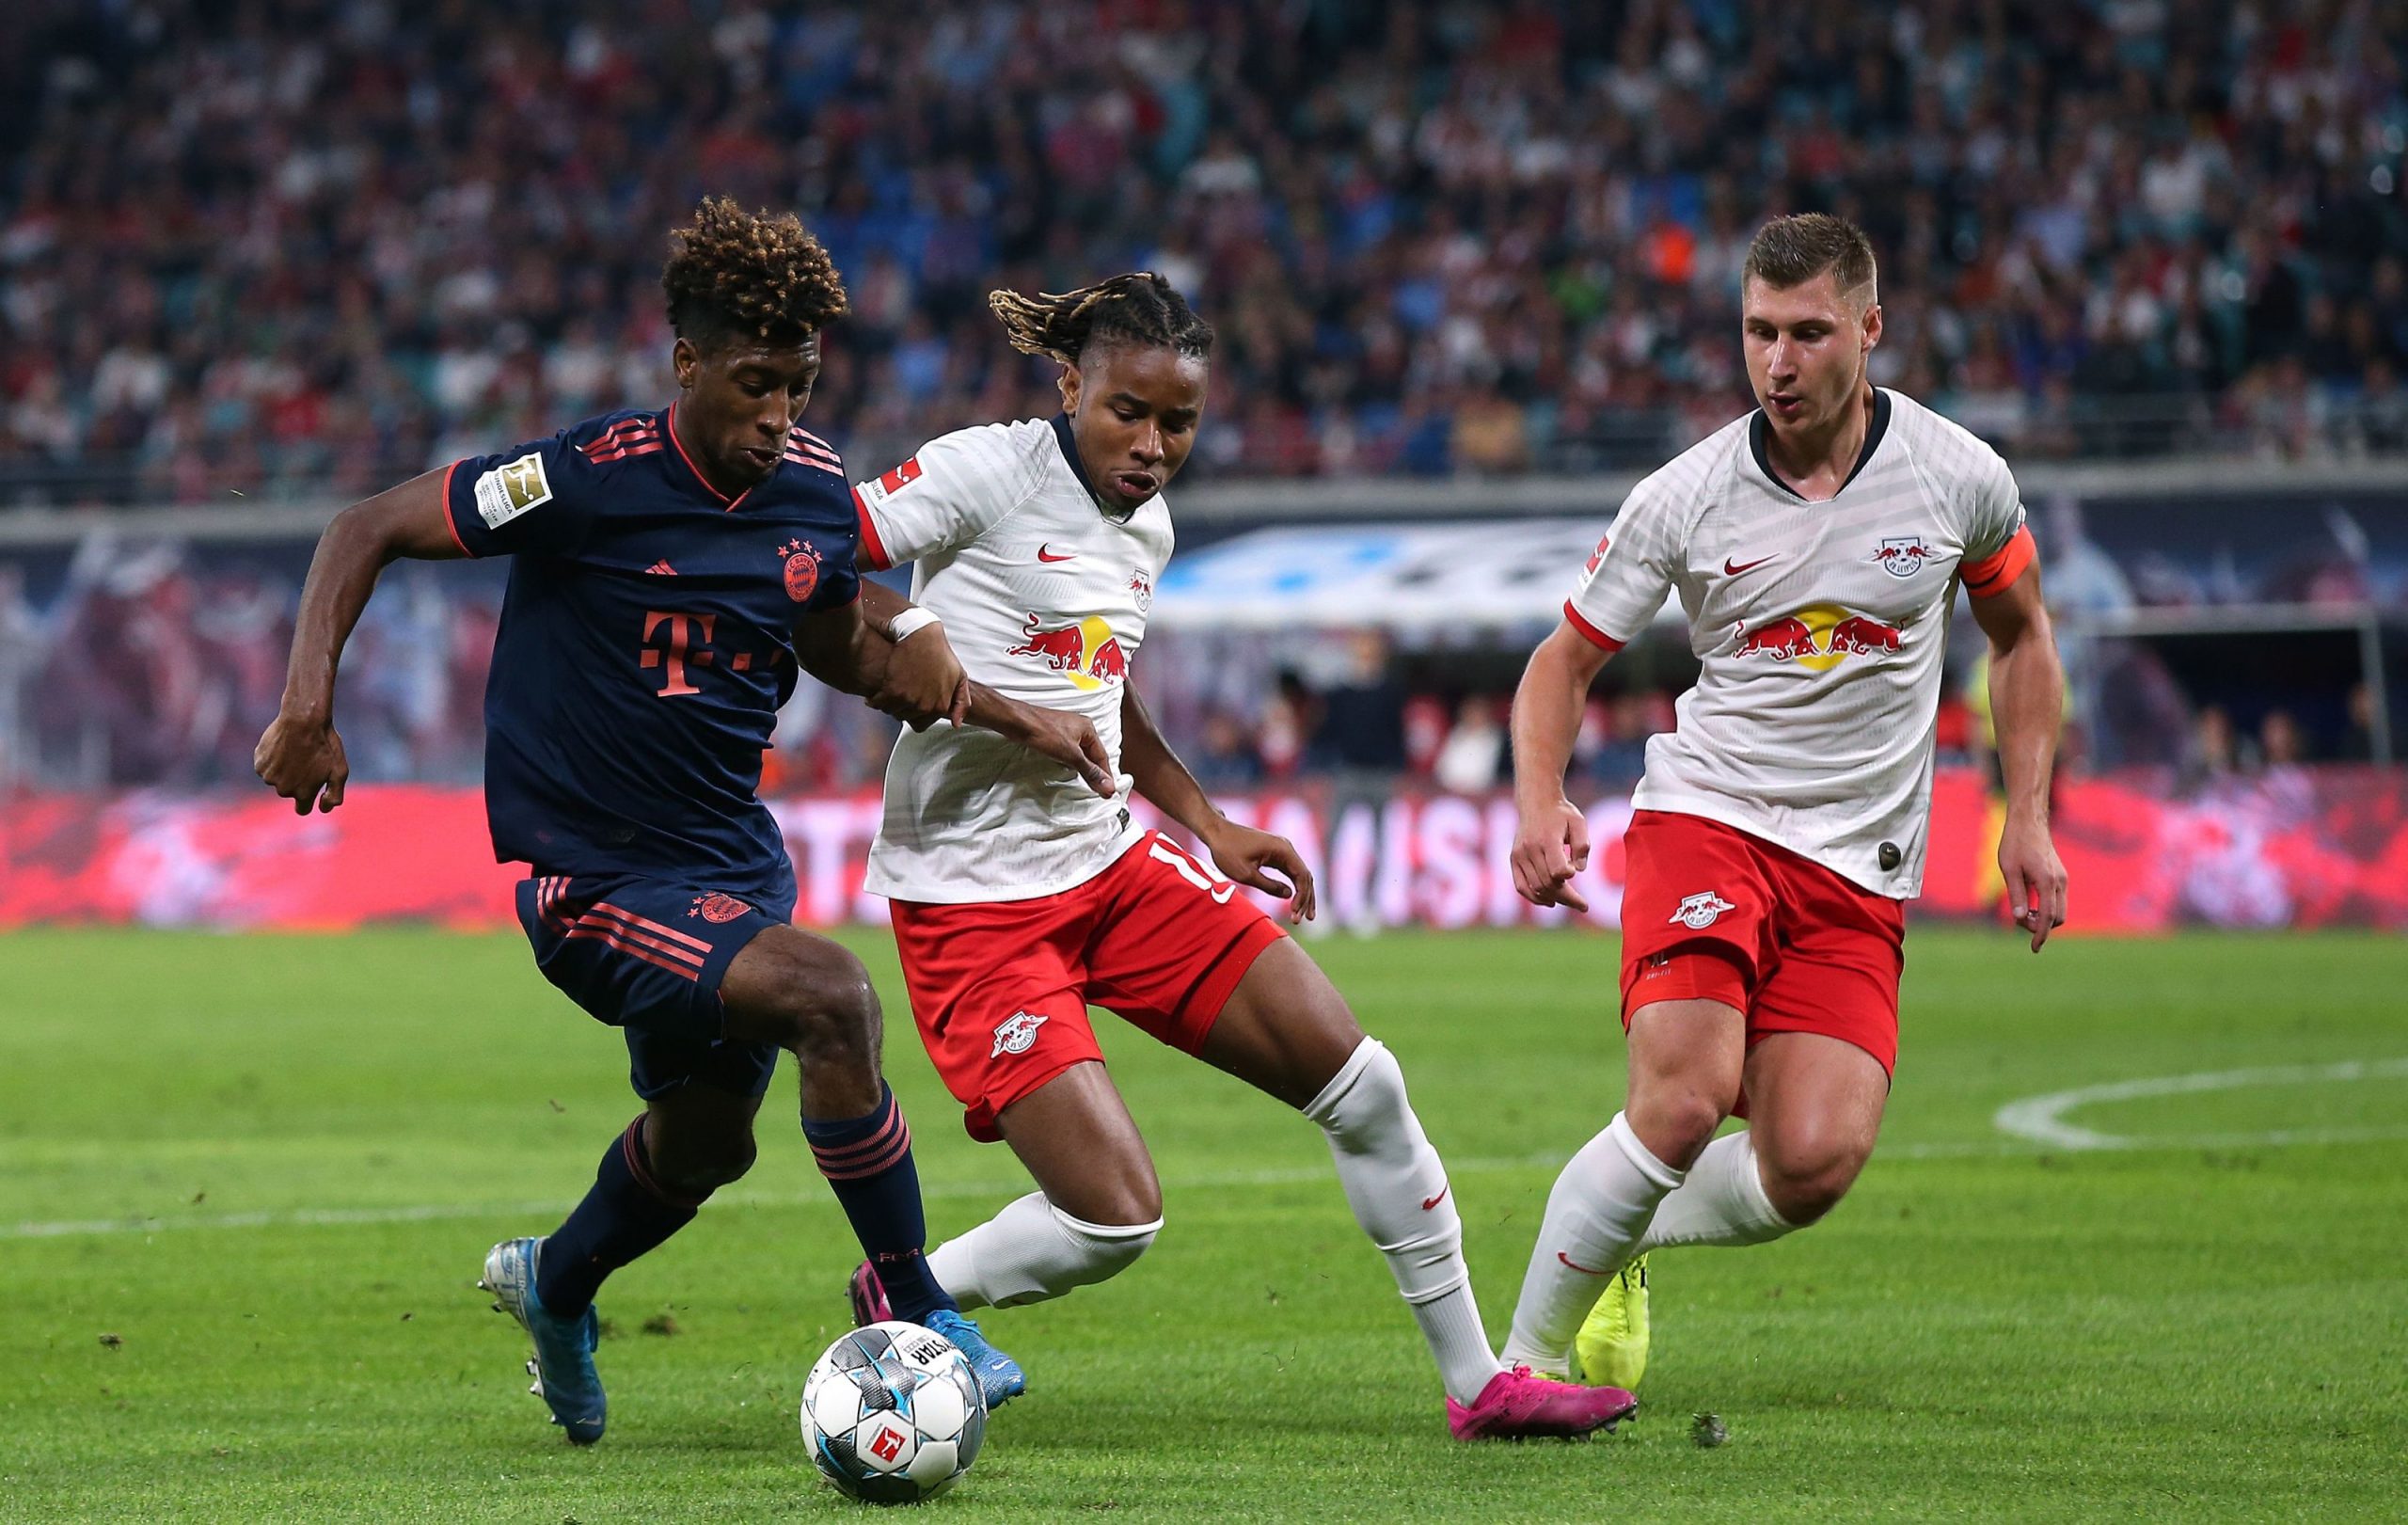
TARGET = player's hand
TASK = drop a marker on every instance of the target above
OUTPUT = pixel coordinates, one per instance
(1069, 739)
(299, 759)
(924, 681)
(1551, 847)
(1248, 856)
(2036, 878)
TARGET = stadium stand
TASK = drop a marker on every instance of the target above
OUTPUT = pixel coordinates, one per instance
(299, 249)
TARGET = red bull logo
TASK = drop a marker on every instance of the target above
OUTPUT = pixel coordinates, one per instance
(1089, 653)
(1857, 633)
(1782, 639)
(1819, 638)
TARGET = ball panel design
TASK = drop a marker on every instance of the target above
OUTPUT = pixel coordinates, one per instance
(893, 1413)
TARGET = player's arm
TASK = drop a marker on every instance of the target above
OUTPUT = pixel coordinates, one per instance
(1241, 852)
(1069, 739)
(855, 649)
(1551, 844)
(301, 756)
(2027, 703)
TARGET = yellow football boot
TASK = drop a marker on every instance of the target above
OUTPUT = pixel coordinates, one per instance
(1610, 1350)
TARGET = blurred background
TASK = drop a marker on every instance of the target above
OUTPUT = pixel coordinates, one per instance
(1473, 269)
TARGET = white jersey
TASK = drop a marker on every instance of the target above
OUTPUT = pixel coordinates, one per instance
(1044, 598)
(1820, 626)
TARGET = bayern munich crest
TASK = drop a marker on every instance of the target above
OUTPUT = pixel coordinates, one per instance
(802, 569)
(715, 906)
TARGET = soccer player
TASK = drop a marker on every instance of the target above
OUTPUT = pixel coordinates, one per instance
(1019, 896)
(1817, 544)
(669, 569)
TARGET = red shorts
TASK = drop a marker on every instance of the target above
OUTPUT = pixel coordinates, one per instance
(1001, 989)
(1710, 911)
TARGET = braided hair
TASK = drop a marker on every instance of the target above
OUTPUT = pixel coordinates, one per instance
(735, 275)
(1139, 307)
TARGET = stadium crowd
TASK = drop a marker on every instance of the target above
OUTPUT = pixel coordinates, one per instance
(306, 246)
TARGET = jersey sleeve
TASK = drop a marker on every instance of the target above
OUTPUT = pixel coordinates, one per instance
(1998, 544)
(840, 577)
(1627, 579)
(537, 498)
(958, 486)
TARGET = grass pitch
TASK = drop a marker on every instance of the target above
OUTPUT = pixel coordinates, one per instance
(246, 1183)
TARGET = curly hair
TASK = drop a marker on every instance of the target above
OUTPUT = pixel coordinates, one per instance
(1139, 307)
(736, 275)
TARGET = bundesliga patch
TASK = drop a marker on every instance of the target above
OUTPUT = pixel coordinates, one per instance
(507, 491)
(887, 483)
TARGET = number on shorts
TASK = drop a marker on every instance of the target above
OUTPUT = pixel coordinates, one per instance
(1190, 872)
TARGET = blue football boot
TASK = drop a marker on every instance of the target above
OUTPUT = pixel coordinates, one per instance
(563, 1363)
(999, 1377)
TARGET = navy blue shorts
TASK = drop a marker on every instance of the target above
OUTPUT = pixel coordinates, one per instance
(648, 956)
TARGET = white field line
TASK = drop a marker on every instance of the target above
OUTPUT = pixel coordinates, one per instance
(2042, 1119)
(2035, 1125)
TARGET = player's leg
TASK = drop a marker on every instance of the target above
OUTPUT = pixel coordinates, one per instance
(1814, 1108)
(688, 1142)
(810, 996)
(1695, 917)
(1814, 1105)
(617, 949)
(1823, 1039)
(1823, 1034)
(1285, 1029)
(1096, 1210)
(999, 994)
(1179, 956)
(1686, 1056)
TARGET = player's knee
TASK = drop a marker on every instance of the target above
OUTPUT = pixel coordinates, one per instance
(696, 1172)
(1675, 1121)
(1131, 1198)
(1806, 1181)
(1109, 1248)
(1364, 1105)
(824, 1008)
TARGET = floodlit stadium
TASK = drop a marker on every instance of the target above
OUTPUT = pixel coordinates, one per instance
(1773, 578)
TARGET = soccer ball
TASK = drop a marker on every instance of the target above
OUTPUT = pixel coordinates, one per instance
(893, 1413)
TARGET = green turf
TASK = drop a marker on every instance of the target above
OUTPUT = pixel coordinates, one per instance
(1984, 1330)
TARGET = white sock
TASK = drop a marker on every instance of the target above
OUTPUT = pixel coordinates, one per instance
(1594, 1216)
(1033, 1250)
(1722, 1202)
(1398, 1187)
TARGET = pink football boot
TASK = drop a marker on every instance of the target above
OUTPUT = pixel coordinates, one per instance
(1516, 1405)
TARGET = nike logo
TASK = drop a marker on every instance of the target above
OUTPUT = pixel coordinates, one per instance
(1732, 569)
(1578, 1267)
(1045, 555)
(1440, 1198)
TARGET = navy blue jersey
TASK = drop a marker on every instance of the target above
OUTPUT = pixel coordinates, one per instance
(645, 644)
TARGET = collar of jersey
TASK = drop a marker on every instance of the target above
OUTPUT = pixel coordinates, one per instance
(1881, 425)
(730, 504)
(1069, 444)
